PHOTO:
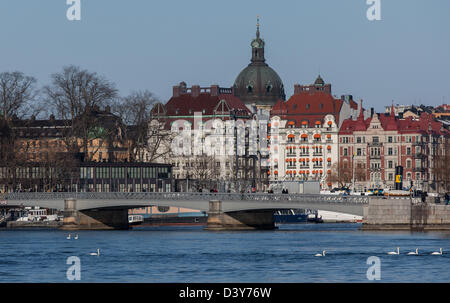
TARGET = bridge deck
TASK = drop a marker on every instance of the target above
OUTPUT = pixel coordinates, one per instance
(200, 201)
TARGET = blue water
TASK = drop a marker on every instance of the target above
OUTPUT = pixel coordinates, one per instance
(190, 254)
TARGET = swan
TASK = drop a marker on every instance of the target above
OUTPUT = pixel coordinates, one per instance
(395, 253)
(320, 255)
(414, 253)
(437, 253)
(68, 237)
(95, 253)
(76, 237)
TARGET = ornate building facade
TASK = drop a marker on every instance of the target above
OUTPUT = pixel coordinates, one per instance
(370, 149)
(304, 133)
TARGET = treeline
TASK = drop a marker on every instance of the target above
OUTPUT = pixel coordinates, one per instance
(73, 98)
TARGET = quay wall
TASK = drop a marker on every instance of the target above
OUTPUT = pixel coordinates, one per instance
(404, 214)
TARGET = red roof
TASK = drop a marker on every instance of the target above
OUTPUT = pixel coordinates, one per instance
(185, 106)
(403, 126)
(307, 106)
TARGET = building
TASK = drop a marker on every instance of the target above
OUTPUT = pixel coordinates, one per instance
(370, 149)
(88, 177)
(196, 131)
(258, 85)
(304, 133)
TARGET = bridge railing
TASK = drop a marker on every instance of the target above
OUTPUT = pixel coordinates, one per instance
(187, 196)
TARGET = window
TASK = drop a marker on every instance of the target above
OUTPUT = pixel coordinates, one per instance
(390, 139)
(390, 164)
(408, 150)
(345, 152)
(358, 152)
(307, 106)
(408, 163)
(345, 140)
(390, 153)
(375, 139)
(358, 139)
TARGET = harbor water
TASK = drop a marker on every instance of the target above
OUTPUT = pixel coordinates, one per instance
(191, 254)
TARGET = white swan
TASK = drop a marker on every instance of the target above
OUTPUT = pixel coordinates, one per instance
(414, 253)
(69, 236)
(320, 255)
(395, 252)
(95, 253)
(437, 253)
(76, 237)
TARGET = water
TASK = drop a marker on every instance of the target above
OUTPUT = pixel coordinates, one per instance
(190, 254)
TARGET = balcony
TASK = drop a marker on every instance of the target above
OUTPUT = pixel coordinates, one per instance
(374, 156)
(375, 144)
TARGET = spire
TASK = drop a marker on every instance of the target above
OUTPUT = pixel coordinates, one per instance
(257, 46)
(257, 26)
(392, 109)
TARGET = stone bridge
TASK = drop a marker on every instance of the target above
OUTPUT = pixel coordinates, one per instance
(225, 210)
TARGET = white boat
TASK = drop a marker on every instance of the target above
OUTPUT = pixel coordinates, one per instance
(135, 219)
(37, 214)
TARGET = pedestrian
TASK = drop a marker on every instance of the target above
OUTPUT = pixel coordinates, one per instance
(447, 198)
(423, 197)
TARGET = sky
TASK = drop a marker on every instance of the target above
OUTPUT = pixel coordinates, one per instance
(151, 44)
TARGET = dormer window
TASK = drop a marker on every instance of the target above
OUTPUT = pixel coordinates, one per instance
(269, 88)
(249, 89)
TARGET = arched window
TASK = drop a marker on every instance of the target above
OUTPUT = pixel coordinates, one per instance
(249, 89)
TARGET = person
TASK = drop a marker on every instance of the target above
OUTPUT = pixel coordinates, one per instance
(423, 197)
(447, 198)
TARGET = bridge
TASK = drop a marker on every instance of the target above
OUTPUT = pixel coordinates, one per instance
(225, 210)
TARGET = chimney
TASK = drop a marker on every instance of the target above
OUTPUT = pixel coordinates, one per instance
(195, 90)
(175, 91)
(297, 89)
(214, 90)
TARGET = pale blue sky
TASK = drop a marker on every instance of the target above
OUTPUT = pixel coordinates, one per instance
(149, 44)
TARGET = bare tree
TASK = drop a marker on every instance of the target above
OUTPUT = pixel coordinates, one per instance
(341, 173)
(75, 94)
(134, 110)
(204, 170)
(16, 93)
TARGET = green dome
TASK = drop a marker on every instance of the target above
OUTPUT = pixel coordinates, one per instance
(258, 83)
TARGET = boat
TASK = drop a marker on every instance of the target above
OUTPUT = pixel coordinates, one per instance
(314, 217)
(135, 219)
(37, 214)
(289, 216)
(169, 216)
